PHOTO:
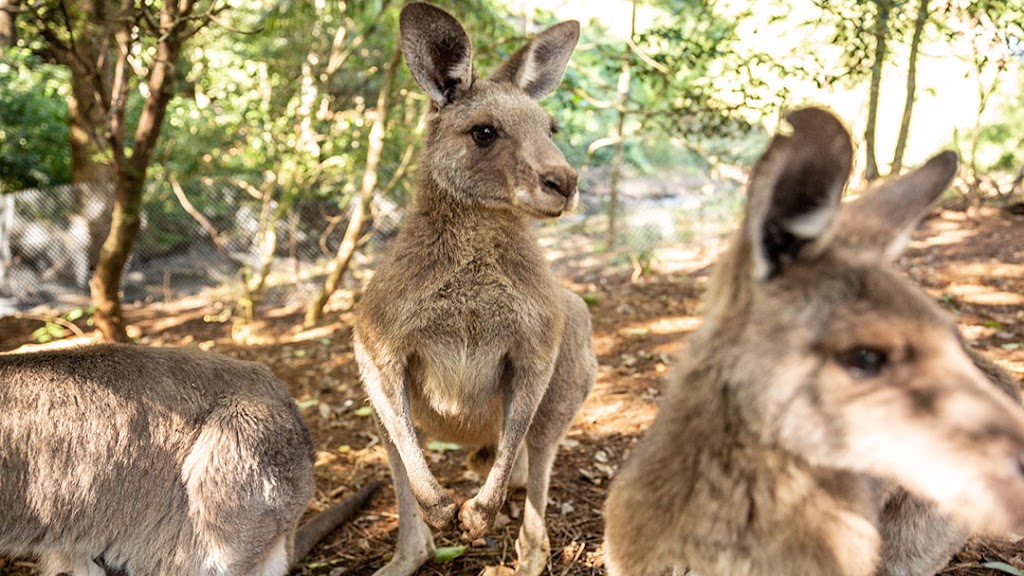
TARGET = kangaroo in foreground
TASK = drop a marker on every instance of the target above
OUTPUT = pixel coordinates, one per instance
(154, 462)
(828, 419)
(463, 332)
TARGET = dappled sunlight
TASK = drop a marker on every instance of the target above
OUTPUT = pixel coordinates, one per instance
(985, 295)
(946, 237)
(64, 343)
(986, 270)
(675, 325)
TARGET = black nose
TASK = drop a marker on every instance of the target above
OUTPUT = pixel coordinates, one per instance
(561, 182)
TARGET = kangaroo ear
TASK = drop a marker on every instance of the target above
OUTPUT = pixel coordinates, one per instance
(882, 218)
(538, 67)
(795, 188)
(437, 50)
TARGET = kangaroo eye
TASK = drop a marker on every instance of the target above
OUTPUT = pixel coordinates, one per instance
(862, 361)
(483, 134)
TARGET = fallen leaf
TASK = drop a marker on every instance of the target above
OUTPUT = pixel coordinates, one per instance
(1003, 567)
(448, 553)
(438, 446)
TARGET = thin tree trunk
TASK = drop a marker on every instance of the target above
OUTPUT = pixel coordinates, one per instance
(91, 172)
(105, 284)
(6, 225)
(908, 106)
(8, 32)
(7, 40)
(883, 10)
(374, 149)
(130, 171)
(984, 93)
(618, 136)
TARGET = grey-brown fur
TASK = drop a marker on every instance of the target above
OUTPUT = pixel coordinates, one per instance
(151, 462)
(827, 419)
(463, 333)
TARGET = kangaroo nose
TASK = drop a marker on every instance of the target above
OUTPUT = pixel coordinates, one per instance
(561, 182)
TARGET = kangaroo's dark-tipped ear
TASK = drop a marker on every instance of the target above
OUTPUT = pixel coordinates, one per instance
(795, 189)
(538, 67)
(882, 218)
(437, 50)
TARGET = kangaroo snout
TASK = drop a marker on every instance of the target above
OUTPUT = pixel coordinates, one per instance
(559, 180)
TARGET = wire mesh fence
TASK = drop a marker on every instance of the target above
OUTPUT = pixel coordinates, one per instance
(204, 235)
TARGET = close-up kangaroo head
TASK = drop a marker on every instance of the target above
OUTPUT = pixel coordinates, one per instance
(837, 356)
(827, 417)
(489, 143)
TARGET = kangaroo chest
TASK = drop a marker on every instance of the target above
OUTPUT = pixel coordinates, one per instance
(469, 324)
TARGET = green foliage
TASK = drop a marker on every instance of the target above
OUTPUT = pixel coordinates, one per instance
(34, 149)
(853, 25)
(58, 327)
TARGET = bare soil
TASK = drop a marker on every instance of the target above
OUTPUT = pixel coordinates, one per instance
(974, 267)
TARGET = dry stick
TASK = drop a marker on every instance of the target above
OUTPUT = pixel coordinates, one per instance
(196, 215)
(55, 320)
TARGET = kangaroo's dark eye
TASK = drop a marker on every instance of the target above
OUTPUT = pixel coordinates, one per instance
(862, 361)
(554, 129)
(483, 134)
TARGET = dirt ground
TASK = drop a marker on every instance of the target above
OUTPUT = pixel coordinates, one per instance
(974, 267)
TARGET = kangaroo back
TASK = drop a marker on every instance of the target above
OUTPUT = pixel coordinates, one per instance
(821, 390)
(149, 461)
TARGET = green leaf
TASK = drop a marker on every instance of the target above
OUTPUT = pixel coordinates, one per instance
(592, 299)
(364, 411)
(307, 403)
(438, 446)
(325, 341)
(636, 331)
(75, 314)
(1003, 567)
(449, 553)
(1012, 346)
(993, 324)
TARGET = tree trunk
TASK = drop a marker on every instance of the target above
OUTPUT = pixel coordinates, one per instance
(974, 187)
(621, 103)
(8, 32)
(105, 284)
(92, 173)
(883, 10)
(130, 170)
(6, 225)
(908, 106)
(374, 149)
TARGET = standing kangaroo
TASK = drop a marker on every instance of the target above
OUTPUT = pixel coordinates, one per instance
(828, 419)
(154, 462)
(463, 332)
